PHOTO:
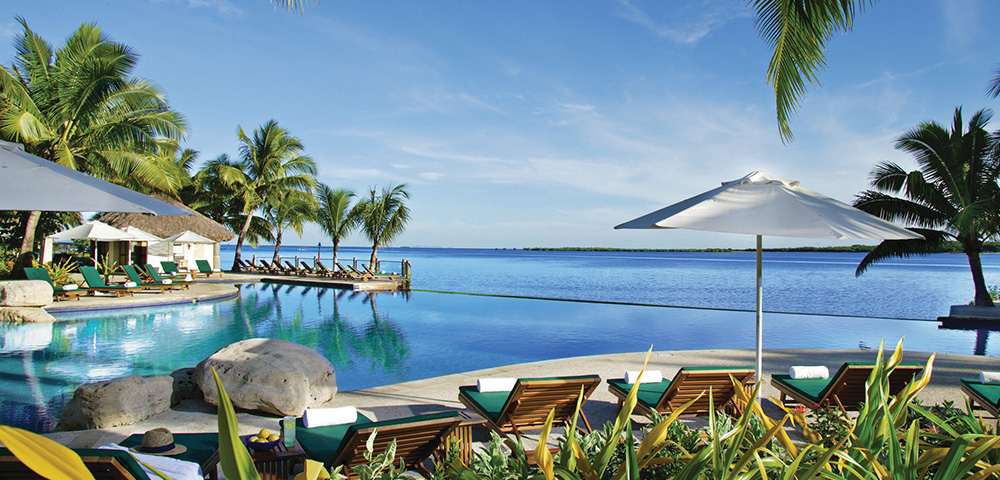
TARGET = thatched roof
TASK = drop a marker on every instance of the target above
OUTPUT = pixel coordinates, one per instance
(168, 226)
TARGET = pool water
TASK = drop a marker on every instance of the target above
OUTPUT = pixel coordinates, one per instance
(376, 339)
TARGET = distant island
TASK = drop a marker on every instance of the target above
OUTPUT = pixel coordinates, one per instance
(948, 247)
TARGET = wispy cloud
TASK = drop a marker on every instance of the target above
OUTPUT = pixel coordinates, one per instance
(685, 23)
(10, 31)
(222, 7)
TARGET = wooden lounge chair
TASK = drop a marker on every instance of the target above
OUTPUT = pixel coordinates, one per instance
(202, 448)
(529, 403)
(151, 272)
(247, 266)
(351, 273)
(96, 284)
(34, 273)
(416, 438)
(986, 396)
(134, 276)
(322, 271)
(103, 465)
(171, 270)
(291, 269)
(203, 268)
(688, 383)
(306, 269)
(381, 276)
(845, 389)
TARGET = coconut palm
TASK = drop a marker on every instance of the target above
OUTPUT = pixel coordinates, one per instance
(953, 196)
(292, 5)
(798, 32)
(335, 215)
(80, 107)
(383, 217)
(214, 198)
(271, 165)
(290, 210)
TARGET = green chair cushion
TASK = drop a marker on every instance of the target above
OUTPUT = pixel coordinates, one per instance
(649, 393)
(35, 273)
(200, 446)
(323, 443)
(989, 392)
(811, 388)
(490, 403)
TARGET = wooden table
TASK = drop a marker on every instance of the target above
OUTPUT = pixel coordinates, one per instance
(203, 449)
(277, 464)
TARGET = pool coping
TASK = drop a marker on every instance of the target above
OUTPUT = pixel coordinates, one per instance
(155, 303)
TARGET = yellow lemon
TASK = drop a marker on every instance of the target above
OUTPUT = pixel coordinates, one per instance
(273, 437)
(255, 439)
(264, 433)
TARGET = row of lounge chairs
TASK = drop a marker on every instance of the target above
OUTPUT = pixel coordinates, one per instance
(529, 402)
(144, 278)
(339, 270)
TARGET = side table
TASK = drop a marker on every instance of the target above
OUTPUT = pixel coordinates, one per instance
(463, 436)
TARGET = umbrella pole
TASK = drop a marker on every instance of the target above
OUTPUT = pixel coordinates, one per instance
(760, 317)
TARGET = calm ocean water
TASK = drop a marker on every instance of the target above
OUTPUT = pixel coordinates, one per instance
(819, 283)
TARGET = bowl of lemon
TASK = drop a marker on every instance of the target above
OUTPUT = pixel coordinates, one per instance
(262, 441)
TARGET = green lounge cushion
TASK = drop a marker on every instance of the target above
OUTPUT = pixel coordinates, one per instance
(200, 446)
(134, 276)
(35, 273)
(95, 281)
(157, 278)
(323, 443)
(816, 389)
(649, 393)
(203, 266)
(492, 403)
(989, 392)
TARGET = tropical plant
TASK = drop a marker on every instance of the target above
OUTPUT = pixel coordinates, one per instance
(214, 198)
(271, 165)
(80, 107)
(106, 266)
(292, 5)
(798, 31)
(953, 195)
(289, 210)
(59, 272)
(383, 216)
(334, 215)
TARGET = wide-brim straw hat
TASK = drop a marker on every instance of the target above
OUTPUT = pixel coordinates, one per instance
(159, 441)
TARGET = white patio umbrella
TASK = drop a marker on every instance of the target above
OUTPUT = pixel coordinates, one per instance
(94, 231)
(31, 183)
(760, 204)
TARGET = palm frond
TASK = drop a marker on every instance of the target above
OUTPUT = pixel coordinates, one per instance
(903, 248)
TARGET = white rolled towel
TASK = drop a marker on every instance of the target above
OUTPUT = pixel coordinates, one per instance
(649, 376)
(987, 378)
(167, 281)
(131, 284)
(70, 286)
(809, 371)
(322, 417)
(187, 278)
(496, 384)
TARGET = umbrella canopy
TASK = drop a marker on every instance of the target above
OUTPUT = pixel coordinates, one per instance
(97, 231)
(761, 204)
(188, 236)
(141, 235)
(30, 183)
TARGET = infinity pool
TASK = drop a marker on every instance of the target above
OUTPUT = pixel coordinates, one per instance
(379, 339)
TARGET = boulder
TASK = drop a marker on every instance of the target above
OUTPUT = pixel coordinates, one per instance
(185, 386)
(122, 401)
(269, 375)
(24, 315)
(25, 293)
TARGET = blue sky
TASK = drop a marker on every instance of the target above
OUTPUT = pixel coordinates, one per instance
(526, 123)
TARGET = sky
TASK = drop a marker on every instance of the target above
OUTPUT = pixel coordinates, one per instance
(543, 123)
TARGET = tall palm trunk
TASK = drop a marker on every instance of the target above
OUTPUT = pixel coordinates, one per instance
(374, 259)
(336, 244)
(277, 245)
(25, 256)
(983, 298)
(239, 243)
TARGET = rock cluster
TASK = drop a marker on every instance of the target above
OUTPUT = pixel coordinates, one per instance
(122, 401)
(20, 301)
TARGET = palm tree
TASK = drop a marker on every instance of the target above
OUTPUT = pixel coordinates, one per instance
(798, 31)
(292, 5)
(292, 210)
(383, 217)
(271, 165)
(335, 216)
(214, 198)
(79, 106)
(954, 194)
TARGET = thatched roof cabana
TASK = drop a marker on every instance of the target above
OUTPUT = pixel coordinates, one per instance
(168, 226)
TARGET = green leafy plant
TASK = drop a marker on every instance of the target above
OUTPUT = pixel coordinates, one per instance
(59, 272)
(233, 455)
(106, 266)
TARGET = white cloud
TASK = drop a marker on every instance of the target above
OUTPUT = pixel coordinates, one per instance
(9, 31)
(223, 7)
(685, 23)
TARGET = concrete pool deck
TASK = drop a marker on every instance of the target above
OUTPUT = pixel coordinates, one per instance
(441, 393)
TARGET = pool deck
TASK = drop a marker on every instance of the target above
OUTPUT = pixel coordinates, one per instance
(441, 393)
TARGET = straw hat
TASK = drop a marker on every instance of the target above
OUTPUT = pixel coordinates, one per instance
(159, 441)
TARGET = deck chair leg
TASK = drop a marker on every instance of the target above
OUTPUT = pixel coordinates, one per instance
(585, 422)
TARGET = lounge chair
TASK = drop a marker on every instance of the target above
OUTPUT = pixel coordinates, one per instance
(203, 268)
(134, 276)
(326, 272)
(151, 271)
(291, 269)
(351, 273)
(42, 274)
(96, 284)
(170, 269)
(103, 464)
(247, 266)
(845, 389)
(416, 438)
(374, 274)
(307, 269)
(528, 404)
(987, 396)
(202, 448)
(268, 268)
(688, 383)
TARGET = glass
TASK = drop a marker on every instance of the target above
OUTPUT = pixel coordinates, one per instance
(288, 431)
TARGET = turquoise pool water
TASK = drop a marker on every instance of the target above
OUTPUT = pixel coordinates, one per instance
(378, 339)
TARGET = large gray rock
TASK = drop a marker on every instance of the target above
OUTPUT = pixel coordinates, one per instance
(24, 315)
(270, 375)
(122, 401)
(25, 293)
